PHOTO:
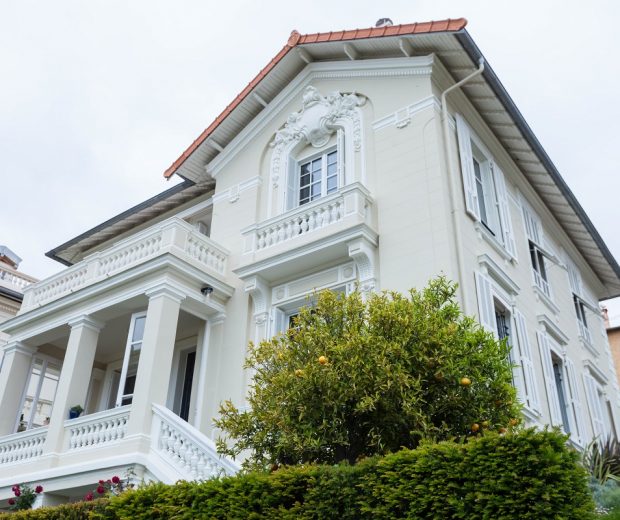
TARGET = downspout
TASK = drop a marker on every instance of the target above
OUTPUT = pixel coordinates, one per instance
(451, 188)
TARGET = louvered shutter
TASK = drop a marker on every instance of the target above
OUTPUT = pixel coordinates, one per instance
(527, 364)
(467, 167)
(504, 211)
(594, 404)
(575, 401)
(574, 279)
(533, 229)
(552, 391)
(486, 308)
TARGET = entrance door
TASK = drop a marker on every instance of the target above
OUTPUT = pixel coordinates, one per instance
(186, 377)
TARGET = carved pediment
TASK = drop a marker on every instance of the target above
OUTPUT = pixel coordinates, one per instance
(318, 118)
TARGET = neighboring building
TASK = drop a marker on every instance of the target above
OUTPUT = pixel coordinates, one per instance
(613, 336)
(12, 284)
(340, 163)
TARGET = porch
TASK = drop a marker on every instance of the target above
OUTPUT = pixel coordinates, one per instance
(131, 341)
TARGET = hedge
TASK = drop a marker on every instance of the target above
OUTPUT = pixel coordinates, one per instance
(525, 475)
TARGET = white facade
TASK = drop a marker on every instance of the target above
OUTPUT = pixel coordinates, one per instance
(341, 175)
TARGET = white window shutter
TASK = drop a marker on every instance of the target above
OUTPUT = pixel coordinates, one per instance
(278, 321)
(574, 279)
(486, 308)
(504, 211)
(575, 402)
(467, 167)
(527, 364)
(533, 228)
(594, 405)
(552, 391)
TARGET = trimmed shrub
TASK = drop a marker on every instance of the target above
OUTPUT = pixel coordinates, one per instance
(528, 475)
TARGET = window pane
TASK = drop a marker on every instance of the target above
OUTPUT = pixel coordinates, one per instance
(29, 401)
(304, 180)
(316, 190)
(316, 176)
(316, 165)
(332, 184)
(332, 158)
(138, 329)
(331, 169)
(305, 168)
(304, 195)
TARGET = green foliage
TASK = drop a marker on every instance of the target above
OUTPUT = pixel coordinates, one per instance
(602, 459)
(77, 511)
(527, 475)
(391, 376)
(606, 495)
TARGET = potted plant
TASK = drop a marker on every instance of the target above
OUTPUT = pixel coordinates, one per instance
(75, 411)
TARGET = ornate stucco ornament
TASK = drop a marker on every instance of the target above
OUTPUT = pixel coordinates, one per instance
(319, 117)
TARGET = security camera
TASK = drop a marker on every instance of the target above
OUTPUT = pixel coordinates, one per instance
(206, 290)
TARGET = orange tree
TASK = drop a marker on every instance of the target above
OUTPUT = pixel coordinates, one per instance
(357, 377)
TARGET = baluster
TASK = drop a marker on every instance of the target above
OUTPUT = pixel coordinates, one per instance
(303, 224)
(281, 233)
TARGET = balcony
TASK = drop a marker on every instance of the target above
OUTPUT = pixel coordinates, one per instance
(13, 279)
(173, 236)
(319, 230)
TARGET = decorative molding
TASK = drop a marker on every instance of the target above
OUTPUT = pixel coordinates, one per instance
(498, 274)
(596, 371)
(233, 193)
(18, 347)
(363, 254)
(402, 117)
(553, 329)
(86, 322)
(165, 289)
(415, 66)
(258, 289)
(319, 118)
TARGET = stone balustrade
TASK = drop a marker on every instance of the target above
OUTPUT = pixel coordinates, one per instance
(22, 446)
(174, 236)
(193, 454)
(303, 220)
(14, 278)
(97, 429)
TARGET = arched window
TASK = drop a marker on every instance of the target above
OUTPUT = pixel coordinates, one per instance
(314, 152)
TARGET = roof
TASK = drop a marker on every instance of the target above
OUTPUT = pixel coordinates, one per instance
(297, 39)
(72, 251)
(456, 49)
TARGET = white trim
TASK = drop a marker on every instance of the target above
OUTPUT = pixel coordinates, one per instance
(498, 274)
(129, 344)
(399, 117)
(391, 67)
(232, 194)
(553, 329)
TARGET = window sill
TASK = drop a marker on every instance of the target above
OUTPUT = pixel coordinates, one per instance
(545, 299)
(531, 415)
(484, 233)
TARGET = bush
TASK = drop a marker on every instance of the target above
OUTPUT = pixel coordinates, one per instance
(355, 378)
(527, 475)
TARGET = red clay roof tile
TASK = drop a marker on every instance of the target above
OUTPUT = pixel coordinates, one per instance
(295, 39)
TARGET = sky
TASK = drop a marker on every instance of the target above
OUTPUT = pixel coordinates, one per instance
(98, 98)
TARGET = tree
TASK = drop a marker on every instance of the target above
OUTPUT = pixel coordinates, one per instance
(354, 378)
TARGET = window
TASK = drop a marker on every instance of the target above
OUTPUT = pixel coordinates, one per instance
(603, 424)
(39, 394)
(129, 371)
(496, 316)
(538, 269)
(579, 302)
(561, 385)
(486, 198)
(318, 177)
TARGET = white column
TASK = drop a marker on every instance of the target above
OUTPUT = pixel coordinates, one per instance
(207, 406)
(154, 365)
(13, 378)
(74, 379)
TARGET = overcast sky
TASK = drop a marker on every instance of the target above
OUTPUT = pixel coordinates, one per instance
(99, 97)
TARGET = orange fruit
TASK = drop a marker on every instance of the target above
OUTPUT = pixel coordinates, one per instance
(513, 422)
(485, 424)
(299, 372)
(502, 430)
(475, 427)
(322, 360)
(465, 381)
